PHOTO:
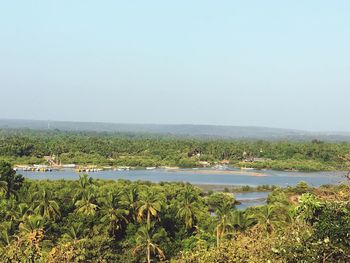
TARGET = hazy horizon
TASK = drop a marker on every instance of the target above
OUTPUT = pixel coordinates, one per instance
(174, 124)
(262, 64)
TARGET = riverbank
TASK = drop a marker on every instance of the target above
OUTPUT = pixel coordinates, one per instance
(256, 168)
(292, 165)
(235, 189)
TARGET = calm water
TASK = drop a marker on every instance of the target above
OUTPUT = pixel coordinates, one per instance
(250, 199)
(280, 178)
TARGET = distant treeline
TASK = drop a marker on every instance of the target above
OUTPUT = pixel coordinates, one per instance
(141, 150)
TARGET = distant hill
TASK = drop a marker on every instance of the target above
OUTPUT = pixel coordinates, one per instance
(183, 130)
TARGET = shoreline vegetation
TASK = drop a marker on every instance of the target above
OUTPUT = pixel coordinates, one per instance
(43, 168)
(235, 188)
(277, 165)
(91, 163)
(85, 149)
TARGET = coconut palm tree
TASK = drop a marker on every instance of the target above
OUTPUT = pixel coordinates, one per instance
(130, 200)
(113, 213)
(85, 181)
(86, 205)
(45, 206)
(15, 212)
(32, 230)
(32, 223)
(149, 206)
(269, 217)
(11, 182)
(224, 218)
(187, 209)
(242, 220)
(146, 242)
(85, 184)
(75, 232)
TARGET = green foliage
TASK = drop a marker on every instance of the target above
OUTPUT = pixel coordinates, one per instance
(333, 223)
(10, 182)
(121, 221)
(218, 199)
(21, 146)
(308, 207)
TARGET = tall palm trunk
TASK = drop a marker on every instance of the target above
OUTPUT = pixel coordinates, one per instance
(218, 236)
(148, 253)
(148, 218)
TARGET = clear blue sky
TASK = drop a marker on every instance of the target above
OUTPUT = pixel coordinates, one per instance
(262, 63)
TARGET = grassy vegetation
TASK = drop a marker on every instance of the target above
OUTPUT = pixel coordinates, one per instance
(121, 221)
(294, 165)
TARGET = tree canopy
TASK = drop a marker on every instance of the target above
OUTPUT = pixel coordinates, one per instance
(90, 220)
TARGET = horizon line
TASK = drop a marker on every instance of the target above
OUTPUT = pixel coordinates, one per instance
(175, 124)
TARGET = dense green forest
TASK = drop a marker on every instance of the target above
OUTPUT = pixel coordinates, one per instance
(121, 221)
(142, 150)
